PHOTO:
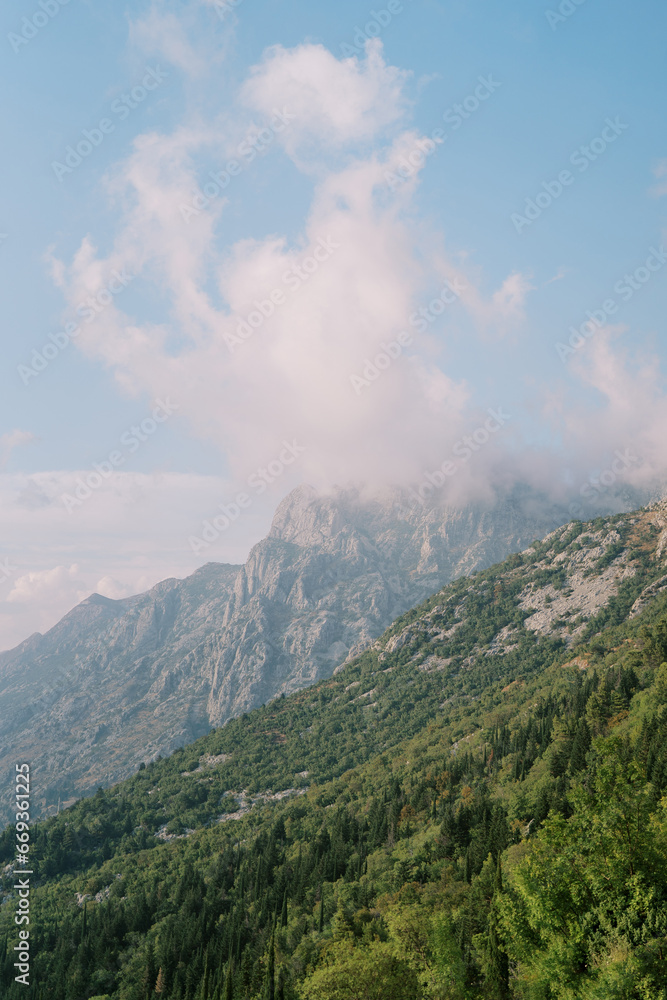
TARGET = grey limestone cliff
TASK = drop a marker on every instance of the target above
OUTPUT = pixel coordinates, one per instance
(115, 683)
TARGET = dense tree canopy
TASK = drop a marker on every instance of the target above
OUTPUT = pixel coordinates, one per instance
(495, 829)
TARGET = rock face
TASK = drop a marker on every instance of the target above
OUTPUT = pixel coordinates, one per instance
(561, 586)
(115, 683)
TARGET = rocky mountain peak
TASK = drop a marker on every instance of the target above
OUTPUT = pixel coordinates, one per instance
(115, 683)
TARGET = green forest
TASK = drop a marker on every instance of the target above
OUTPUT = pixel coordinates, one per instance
(492, 828)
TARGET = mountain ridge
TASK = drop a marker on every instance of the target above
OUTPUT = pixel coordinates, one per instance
(454, 798)
(116, 682)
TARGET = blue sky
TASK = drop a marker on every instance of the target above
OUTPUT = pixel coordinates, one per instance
(361, 101)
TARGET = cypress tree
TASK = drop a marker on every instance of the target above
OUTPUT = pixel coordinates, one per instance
(580, 747)
(496, 962)
(271, 969)
(150, 971)
(204, 991)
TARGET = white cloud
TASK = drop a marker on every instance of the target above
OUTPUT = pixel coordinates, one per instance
(163, 33)
(291, 379)
(617, 406)
(335, 102)
(128, 535)
(10, 441)
(43, 585)
(114, 589)
(510, 299)
(631, 406)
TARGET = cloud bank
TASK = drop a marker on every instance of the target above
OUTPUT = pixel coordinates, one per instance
(272, 332)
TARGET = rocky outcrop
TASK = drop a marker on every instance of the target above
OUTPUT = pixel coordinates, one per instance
(115, 683)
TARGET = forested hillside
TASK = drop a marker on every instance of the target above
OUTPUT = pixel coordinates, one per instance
(117, 682)
(472, 808)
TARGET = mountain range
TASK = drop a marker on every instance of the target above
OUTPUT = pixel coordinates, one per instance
(473, 806)
(119, 682)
